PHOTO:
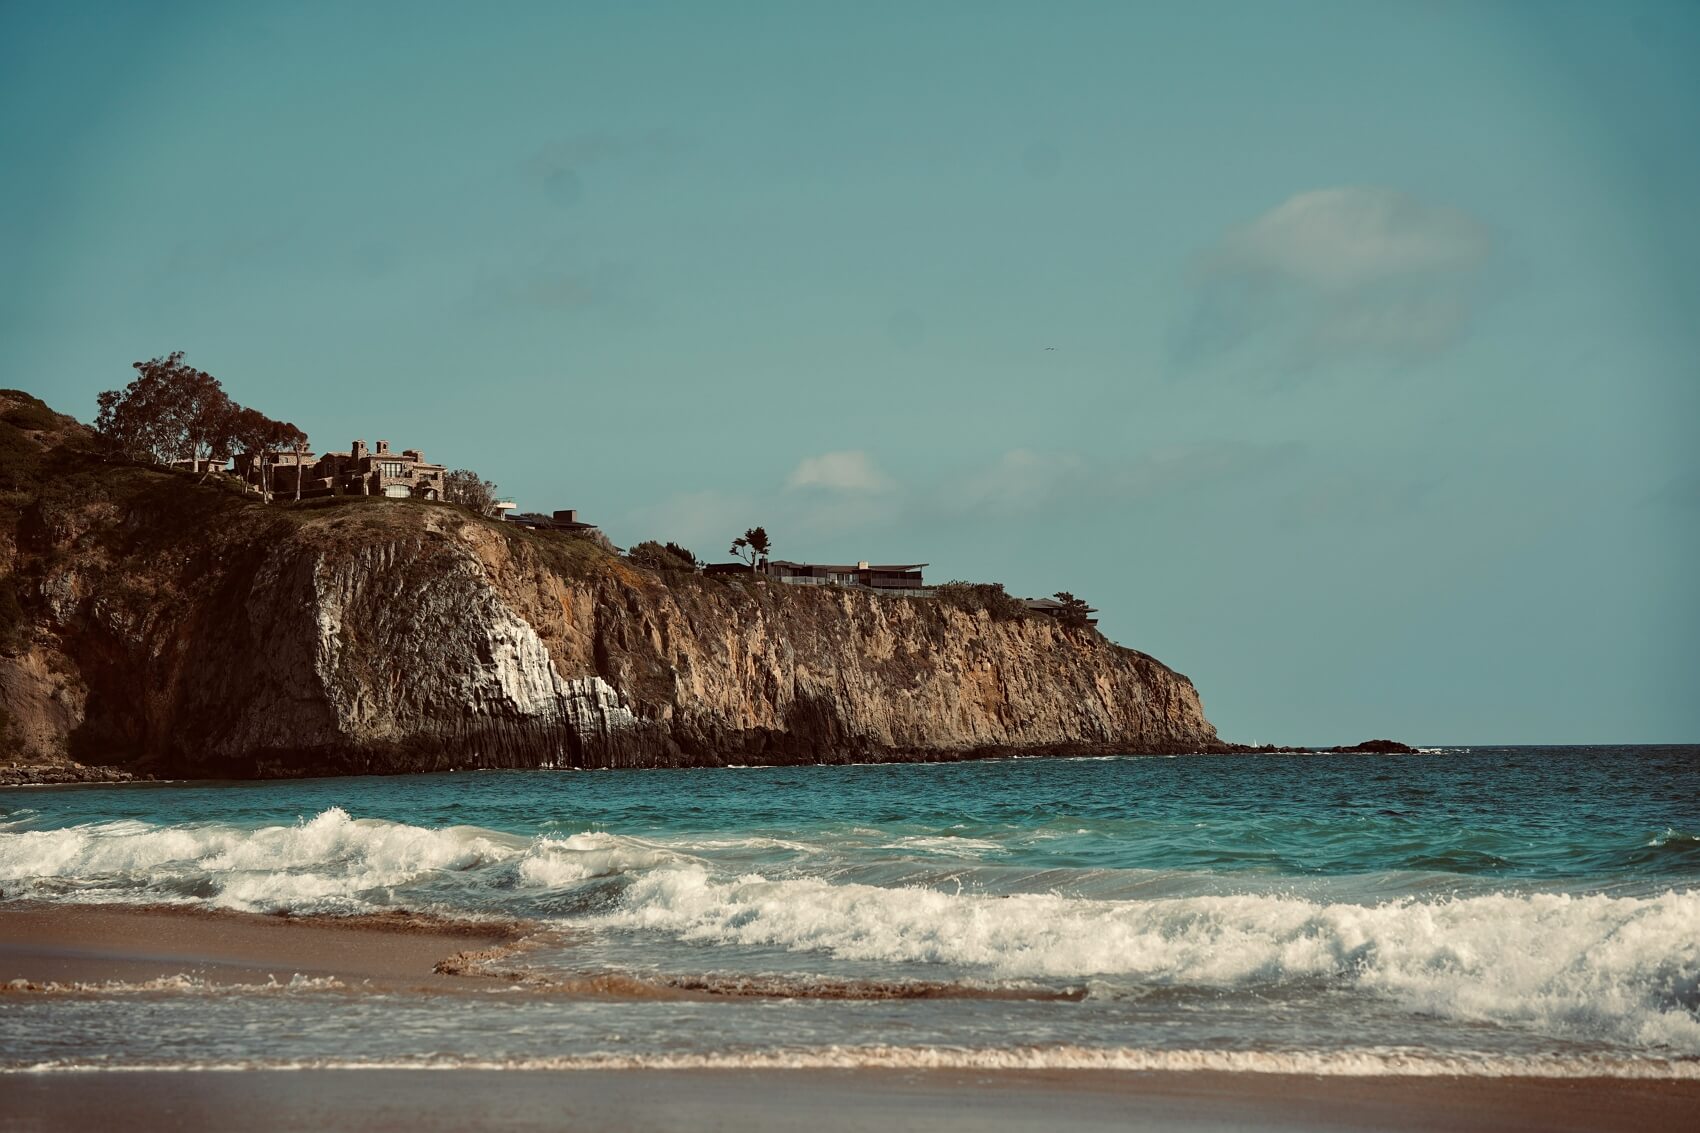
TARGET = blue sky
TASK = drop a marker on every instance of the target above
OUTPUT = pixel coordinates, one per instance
(1375, 356)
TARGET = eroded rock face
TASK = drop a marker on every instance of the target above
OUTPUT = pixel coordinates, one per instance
(381, 638)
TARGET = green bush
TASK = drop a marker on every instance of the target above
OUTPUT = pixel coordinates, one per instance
(32, 413)
(19, 457)
(658, 556)
(976, 597)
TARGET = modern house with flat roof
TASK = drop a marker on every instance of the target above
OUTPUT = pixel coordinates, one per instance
(1051, 608)
(891, 578)
(563, 519)
(876, 576)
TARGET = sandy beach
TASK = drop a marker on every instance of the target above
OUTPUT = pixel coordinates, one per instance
(99, 944)
(93, 945)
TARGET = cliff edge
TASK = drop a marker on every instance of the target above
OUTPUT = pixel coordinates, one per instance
(160, 625)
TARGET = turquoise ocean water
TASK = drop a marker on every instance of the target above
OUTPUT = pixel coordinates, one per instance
(1485, 910)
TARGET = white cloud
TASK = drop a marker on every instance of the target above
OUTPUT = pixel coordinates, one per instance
(1025, 480)
(1349, 237)
(850, 471)
(1343, 272)
(1021, 480)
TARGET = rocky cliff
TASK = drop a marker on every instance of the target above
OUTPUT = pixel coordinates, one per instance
(177, 628)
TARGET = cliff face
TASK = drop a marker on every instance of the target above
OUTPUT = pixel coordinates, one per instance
(182, 630)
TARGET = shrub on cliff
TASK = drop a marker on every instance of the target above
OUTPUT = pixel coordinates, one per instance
(976, 597)
(19, 457)
(27, 411)
(465, 487)
(664, 557)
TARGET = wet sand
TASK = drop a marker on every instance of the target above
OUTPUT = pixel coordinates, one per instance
(826, 1101)
(95, 944)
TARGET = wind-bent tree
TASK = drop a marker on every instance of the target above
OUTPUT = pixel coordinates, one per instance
(171, 412)
(751, 547)
(465, 487)
(1074, 612)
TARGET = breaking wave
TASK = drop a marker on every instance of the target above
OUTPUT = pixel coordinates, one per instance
(1598, 967)
(330, 863)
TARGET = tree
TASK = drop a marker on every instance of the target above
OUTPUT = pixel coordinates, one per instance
(260, 437)
(1074, 612)
(751, 547)
(252, 431)
(283, 436)
(299, 446)
(171, 412)
(465, 487)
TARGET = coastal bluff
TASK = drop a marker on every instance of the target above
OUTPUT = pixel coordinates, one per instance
(164, 626)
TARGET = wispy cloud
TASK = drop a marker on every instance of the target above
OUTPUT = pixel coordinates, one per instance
(849, 471)
(1339, 272)
(1028, 480)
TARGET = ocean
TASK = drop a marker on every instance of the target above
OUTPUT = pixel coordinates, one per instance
(1494, 911)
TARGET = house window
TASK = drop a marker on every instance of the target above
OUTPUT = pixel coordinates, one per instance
(394, 469)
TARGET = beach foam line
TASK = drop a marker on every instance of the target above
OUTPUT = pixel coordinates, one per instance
(182, 983)
(1367, 1063)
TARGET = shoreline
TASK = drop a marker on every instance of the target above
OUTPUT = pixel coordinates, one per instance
(71, 774)
(45, 946)
(944, 1101)
(88, 949)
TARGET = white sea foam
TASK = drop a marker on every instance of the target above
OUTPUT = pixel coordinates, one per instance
(329, 863)
(1350, 1063)
(182, 983)
(1620, 969)
(1624, 969)
(552, 862)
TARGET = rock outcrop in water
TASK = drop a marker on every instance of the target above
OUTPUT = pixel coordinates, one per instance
(172, 628)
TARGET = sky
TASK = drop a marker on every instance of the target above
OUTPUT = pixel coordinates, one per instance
(1345, 355)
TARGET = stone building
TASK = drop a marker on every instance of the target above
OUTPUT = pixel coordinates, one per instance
(358, 472)
(380, 472)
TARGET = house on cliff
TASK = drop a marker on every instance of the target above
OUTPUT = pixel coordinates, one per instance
(1051, 608)
(895, 578)
(360, 471)
(563, 519)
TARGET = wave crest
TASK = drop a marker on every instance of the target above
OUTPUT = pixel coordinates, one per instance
(1625, 968)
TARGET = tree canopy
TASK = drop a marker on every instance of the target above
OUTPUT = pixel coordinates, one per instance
(465, 487)
(752, 546)
(1075, 611)
(174, 412)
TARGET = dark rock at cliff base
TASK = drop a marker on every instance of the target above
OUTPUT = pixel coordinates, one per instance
(1380, 747)
(1368, 747)
(182, 629)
